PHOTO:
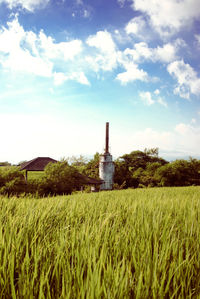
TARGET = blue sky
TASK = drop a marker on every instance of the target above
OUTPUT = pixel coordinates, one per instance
(67, 67)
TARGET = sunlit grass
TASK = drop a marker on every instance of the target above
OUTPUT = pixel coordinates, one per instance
(35, 175)
(142, 243)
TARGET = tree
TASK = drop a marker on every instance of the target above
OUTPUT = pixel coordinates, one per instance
(123, 176)
(146, 176)
(135, 169)
(60, 178)
(6, 163)
(152, 151)
(79, 163)
(92, 167)
(179, 173)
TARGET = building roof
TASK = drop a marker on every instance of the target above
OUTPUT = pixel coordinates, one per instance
(37, 164)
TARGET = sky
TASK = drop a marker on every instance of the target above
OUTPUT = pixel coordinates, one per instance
(69, 66)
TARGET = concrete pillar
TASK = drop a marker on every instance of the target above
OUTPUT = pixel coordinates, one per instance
(106, 171)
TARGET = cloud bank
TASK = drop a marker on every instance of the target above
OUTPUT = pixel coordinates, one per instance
(168, 17)
(29, 5)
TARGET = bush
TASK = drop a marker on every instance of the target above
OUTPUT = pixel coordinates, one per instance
(59, 178)
(12, 181)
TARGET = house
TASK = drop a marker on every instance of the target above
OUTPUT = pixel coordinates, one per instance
(39, 164)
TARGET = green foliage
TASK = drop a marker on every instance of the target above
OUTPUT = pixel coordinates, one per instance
(152, 151)
(11, 181)
(122, 177)
(137, 159)
(3, 164)
(79, 162)
(179, 173)
(141, 243)
(146, 176)
(146, 169)
(135, 168)
(92, 167)
(60, 178)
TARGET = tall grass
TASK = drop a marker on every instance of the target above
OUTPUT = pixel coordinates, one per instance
(121, 244)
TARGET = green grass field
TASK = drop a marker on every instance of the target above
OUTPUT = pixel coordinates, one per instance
(35, 175)
(142, 243)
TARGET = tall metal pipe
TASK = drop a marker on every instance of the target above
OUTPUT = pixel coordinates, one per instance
(107, 138)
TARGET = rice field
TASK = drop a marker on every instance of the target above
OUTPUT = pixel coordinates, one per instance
(136, 243)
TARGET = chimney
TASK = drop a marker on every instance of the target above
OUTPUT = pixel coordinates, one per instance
(107, 138)
(106, 165)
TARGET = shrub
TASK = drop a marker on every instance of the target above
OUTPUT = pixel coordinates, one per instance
(60, 178)
(12, 181)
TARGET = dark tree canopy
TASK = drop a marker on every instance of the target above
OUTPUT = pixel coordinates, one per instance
(60, 178)
(131, 167)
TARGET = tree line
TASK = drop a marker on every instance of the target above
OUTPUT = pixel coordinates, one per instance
(147, 169)
(138, 169)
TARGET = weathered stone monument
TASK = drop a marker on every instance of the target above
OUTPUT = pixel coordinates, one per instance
(106, 165)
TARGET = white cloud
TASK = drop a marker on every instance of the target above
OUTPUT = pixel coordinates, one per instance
(59, 78)
(86, 13)
(146, 98)
(142, 52)
(167, 53)
(151, 138)
(168, 17)
(22, 61)
(157, 91)
(11, 38)
(131, 74)
(17, 58)
(162, 102)
(105, 54)
(29, 5)
(139, 52)
(102, 41)
(63, 50)
(187, 78)
(188, 136)
(183, 129)
(81, 9)
(182, 91)
(79, 77)
(38, 54)
(135, 26)
(182, 140)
